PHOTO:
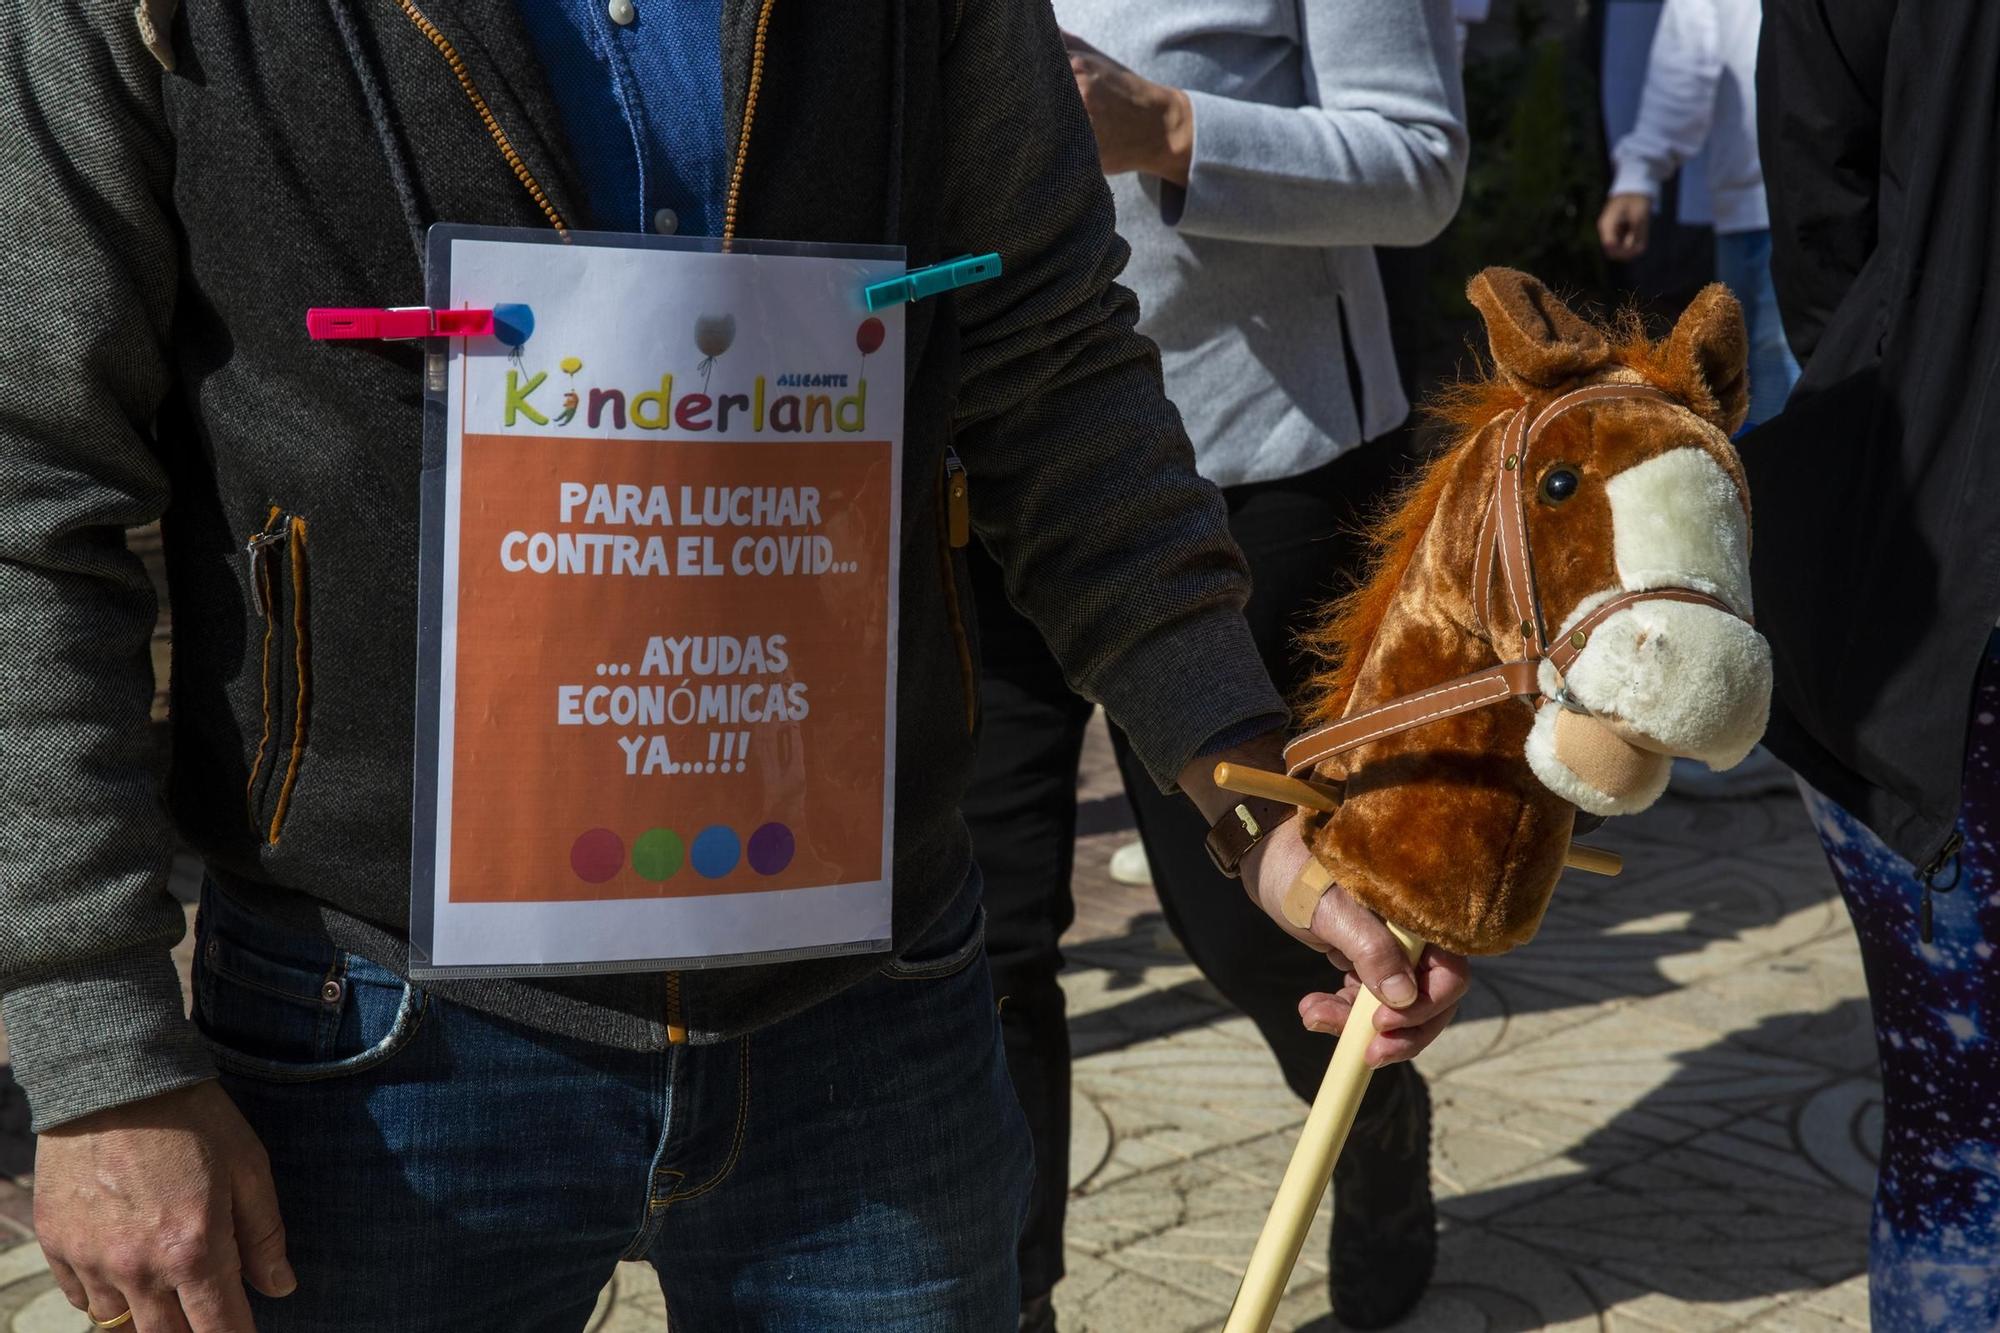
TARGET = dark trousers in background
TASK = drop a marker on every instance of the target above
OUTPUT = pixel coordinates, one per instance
(1301, 537)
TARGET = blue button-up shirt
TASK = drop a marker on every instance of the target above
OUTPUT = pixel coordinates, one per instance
(642, 104)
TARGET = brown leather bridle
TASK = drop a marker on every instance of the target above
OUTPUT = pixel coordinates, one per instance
(1507, 522)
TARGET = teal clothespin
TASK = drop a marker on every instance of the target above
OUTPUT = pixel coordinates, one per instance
(919, 283)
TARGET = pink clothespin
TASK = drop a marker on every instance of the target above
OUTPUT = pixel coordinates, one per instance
(409, 321)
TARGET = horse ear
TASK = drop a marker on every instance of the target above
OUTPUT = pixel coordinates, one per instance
(1537, 341)
(1708, 355)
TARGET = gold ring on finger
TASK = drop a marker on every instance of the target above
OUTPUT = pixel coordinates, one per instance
(117, 1321)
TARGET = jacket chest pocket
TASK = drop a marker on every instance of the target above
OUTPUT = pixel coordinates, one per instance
(279, 591)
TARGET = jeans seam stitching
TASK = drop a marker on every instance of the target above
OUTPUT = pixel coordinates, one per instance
(736, 1146)
(649, 1227)
(667, 1064)
(656, 1197)
(305, 1001)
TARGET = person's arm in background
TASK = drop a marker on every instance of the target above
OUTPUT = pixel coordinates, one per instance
(1465, 13)
(1083, 482)
(1376, 158)
(1819, 125)
(1675, 113)
(147, 1180)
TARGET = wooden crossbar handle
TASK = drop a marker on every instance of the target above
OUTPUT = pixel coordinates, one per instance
(1593, 860)
(1317, 796)
(1275, 787)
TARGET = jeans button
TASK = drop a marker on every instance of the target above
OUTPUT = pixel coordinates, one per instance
(331, 992)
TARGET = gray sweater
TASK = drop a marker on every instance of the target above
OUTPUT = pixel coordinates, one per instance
(167, 231)
(1321, 128)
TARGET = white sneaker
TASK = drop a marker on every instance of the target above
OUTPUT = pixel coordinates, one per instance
(1760, 774)
(1129, 865)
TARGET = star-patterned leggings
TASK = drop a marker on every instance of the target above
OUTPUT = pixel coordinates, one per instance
(1934, 1250)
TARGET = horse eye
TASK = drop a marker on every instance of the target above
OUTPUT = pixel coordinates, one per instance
(1559, 483)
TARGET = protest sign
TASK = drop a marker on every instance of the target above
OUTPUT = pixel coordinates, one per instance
(658, 698)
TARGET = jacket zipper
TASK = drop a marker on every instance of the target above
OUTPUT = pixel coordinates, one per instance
(1927, 876)
(957, 531)
(677, 1033)
(749, 119)
(256, 551)
(957, 501)
(486, 116)
(283, 535)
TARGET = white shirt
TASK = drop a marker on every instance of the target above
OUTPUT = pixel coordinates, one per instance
(1701, 87)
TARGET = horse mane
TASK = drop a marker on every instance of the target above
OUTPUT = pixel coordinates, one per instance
(1462, 411)
(1341, 638)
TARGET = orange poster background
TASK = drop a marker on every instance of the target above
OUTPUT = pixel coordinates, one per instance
(524, 789)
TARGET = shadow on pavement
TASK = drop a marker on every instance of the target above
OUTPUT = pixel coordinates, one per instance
(1743, 1177)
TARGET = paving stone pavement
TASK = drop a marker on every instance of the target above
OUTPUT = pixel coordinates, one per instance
(1661, 1115)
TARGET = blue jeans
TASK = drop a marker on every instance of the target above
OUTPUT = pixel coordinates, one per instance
(862, 1165)
(1743, 264)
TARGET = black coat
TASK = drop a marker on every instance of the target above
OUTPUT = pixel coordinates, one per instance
(1877, 491)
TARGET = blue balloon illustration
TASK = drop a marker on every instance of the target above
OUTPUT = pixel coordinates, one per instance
(513, 323)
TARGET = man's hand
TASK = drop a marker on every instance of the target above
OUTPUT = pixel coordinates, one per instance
(164, 1207)
(1141, 125)
(1624, 226)
(1419, 1000)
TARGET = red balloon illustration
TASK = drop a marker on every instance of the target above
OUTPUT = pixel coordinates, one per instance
(869, 336)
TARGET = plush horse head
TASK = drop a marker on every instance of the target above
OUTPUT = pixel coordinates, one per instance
(1560, 605)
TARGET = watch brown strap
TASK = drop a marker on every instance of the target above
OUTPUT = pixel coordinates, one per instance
(1243, 826)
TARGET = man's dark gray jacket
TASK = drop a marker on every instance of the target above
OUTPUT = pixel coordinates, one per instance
(165, 231)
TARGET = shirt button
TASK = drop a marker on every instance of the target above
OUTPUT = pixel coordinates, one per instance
(666, 222)
(623, 12)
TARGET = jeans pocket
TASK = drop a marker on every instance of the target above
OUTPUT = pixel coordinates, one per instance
(286, 1007)
(945, 950)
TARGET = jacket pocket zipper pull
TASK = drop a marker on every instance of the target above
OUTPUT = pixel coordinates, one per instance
(957, 501)
(275, 530)
(1947, 855)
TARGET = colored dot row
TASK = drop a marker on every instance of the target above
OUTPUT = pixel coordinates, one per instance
(659, 854)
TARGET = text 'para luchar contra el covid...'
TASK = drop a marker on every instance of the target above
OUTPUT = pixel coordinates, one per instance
(694, 550)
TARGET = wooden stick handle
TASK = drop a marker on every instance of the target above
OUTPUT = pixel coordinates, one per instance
(1316, 796)
(1326, 1129)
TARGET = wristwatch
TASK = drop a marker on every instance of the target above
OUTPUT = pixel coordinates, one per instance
(1242, 827)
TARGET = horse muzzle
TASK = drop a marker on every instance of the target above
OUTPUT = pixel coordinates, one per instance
(1657, 680)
